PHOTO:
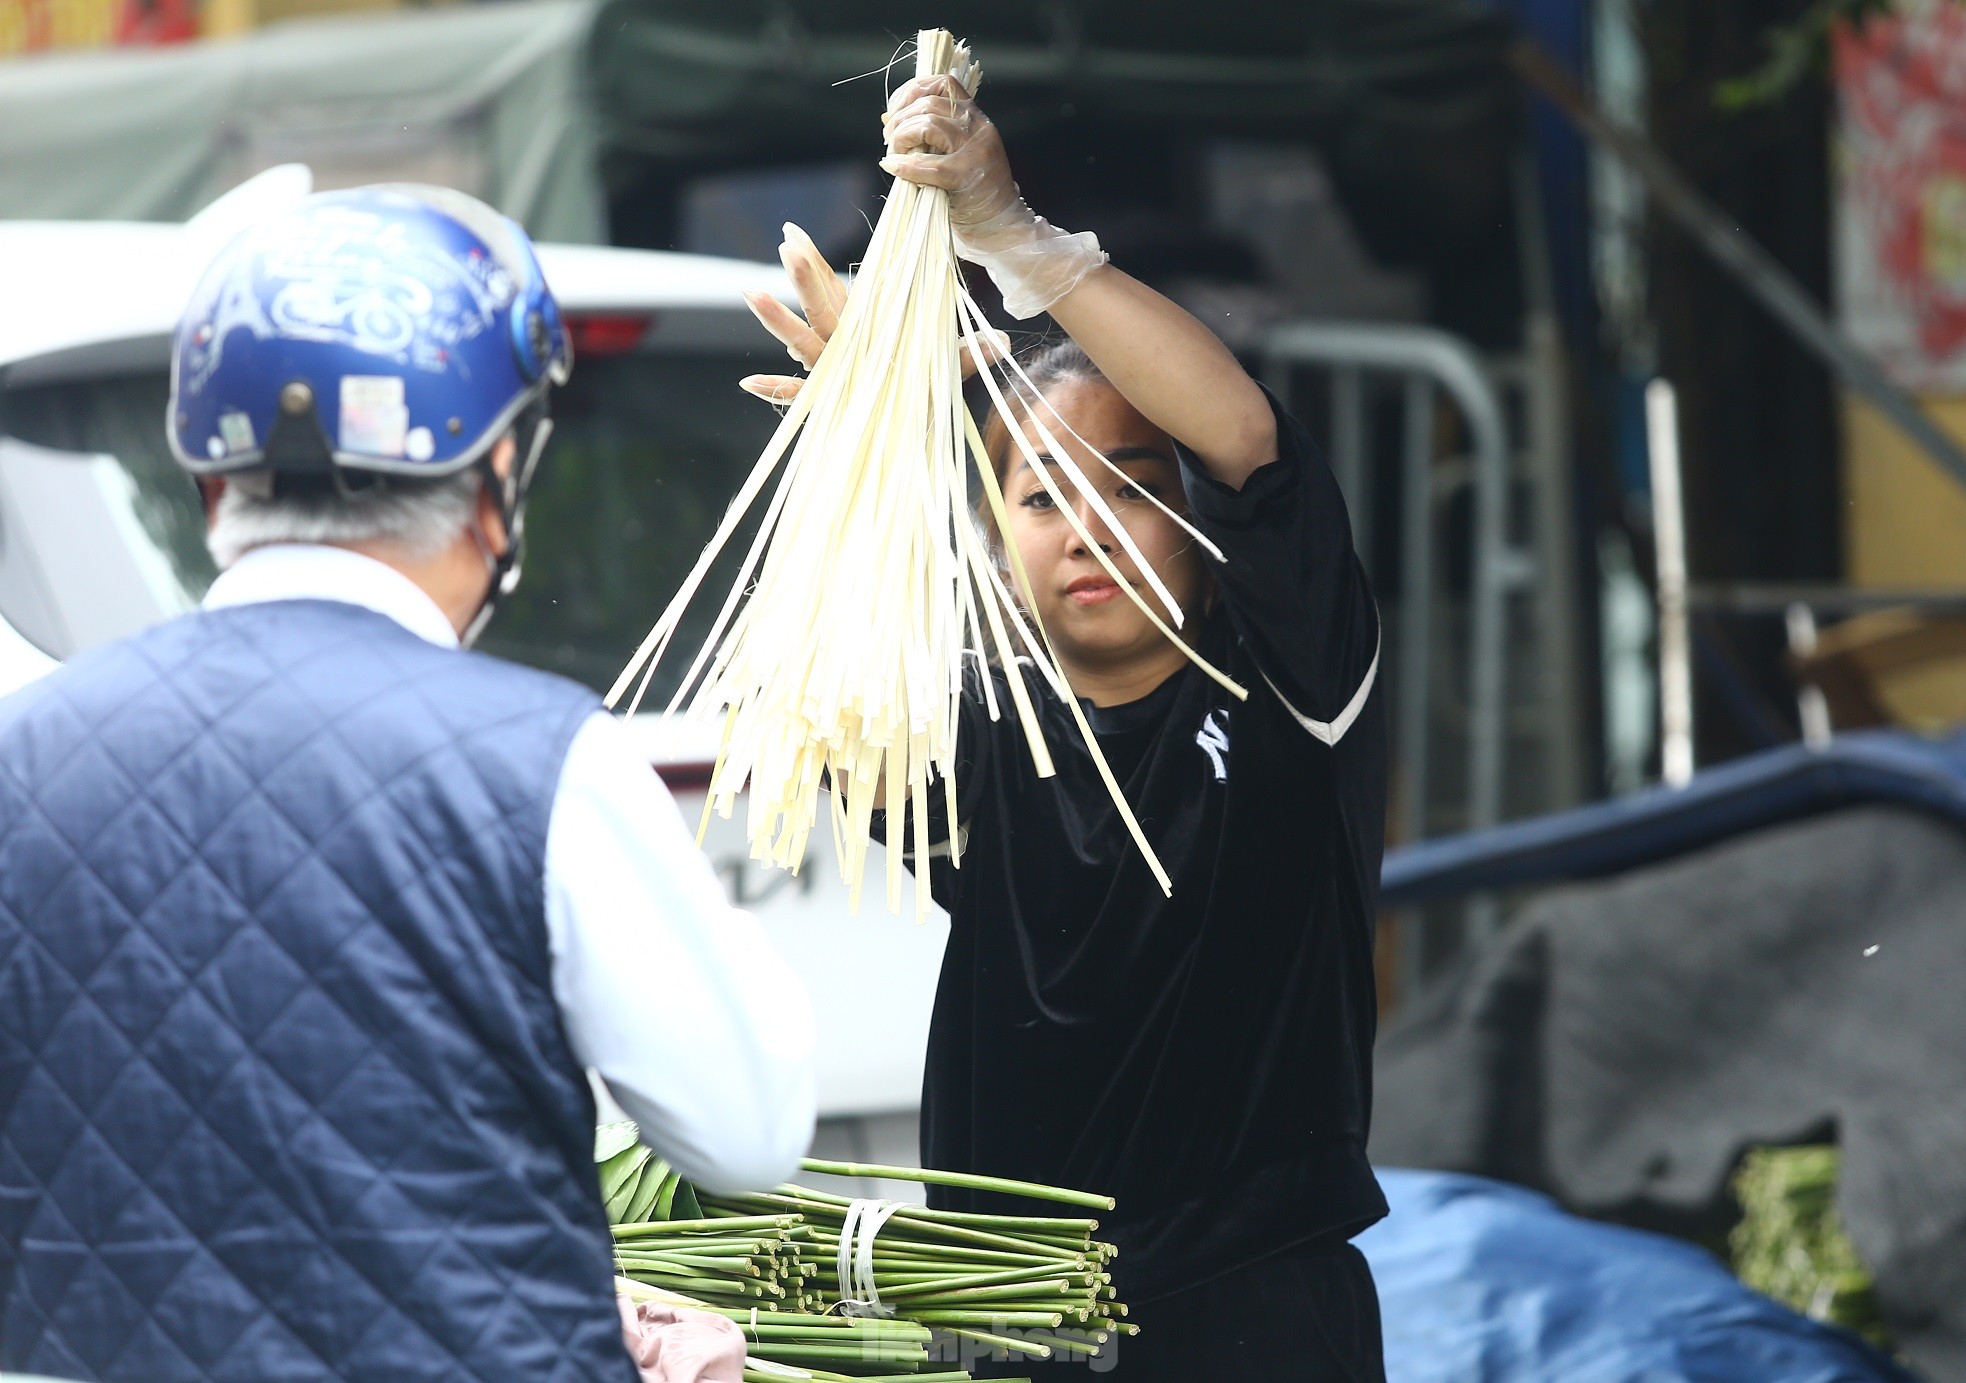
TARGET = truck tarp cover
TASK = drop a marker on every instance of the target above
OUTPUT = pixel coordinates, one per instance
(484, 97)
(531, 101)
(1625, 1041)
(1409, 99)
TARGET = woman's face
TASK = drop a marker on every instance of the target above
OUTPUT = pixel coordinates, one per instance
(1090, 620)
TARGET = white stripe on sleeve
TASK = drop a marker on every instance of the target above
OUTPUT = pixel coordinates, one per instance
(1331, 731)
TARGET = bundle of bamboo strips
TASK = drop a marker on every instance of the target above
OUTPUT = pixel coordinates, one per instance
(1032, 1286)
(870, 588)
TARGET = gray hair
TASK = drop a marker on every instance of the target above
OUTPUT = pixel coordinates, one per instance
(419, 517)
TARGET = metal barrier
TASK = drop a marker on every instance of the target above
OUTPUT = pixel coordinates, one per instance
(1427, 361)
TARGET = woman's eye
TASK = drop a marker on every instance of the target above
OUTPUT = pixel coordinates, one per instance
(1137, 491)
(1037, 499)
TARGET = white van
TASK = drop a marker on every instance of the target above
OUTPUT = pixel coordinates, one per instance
(101, 534)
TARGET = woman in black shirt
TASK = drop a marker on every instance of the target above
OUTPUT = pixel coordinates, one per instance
(1204, 1057)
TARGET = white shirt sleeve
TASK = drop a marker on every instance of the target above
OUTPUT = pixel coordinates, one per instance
(700, 1030)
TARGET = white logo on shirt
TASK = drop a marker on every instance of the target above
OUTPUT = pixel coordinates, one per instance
(1213, 737)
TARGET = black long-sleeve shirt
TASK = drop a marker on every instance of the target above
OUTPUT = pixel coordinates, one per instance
(1205, 1057)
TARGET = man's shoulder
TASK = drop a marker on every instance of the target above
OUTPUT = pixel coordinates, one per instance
(540, 683)
(324, 652)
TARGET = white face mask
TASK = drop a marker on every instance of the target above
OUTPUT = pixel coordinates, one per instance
(503, 579)
(493, 583)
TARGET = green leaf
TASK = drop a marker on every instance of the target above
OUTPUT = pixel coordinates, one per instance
(617, 1204)
(644, 1204)
(610, 1139)
(685, 1206)
(1790, 1243)
(665, 1202)
(1797, 52)
(618, 1175)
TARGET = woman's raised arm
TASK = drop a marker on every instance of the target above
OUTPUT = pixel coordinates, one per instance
(1174, 370)
(1165, 363)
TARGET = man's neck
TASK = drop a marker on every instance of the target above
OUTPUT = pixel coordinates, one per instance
(455, 579)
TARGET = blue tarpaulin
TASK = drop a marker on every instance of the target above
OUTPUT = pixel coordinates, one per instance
(1482, 1282)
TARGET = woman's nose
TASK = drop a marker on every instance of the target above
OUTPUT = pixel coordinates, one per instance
(1095, 527)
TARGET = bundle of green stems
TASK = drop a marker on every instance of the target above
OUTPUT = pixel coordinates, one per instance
(827, 1348)
(1033, 1286)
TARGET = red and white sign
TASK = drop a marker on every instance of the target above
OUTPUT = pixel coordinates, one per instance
(1901, 212)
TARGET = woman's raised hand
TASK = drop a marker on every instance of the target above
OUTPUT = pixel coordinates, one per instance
(822, 297)
(939, 137)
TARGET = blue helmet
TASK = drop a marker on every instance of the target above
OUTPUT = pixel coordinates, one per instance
(395, 330)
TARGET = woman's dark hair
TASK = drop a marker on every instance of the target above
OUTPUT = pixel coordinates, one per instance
(1059, 361)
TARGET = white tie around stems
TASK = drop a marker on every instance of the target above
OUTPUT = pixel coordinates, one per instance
(837, 656)
(859, 1295)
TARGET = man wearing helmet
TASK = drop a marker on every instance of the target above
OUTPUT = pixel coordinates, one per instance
(435, 335)
(310, 922)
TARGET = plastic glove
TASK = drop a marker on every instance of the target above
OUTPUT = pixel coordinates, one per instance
(937, 136)
(821, 296)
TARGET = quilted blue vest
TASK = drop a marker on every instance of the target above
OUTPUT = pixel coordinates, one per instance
(284, 1093)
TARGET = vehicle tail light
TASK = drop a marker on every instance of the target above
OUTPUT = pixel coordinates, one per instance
(607, 333)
